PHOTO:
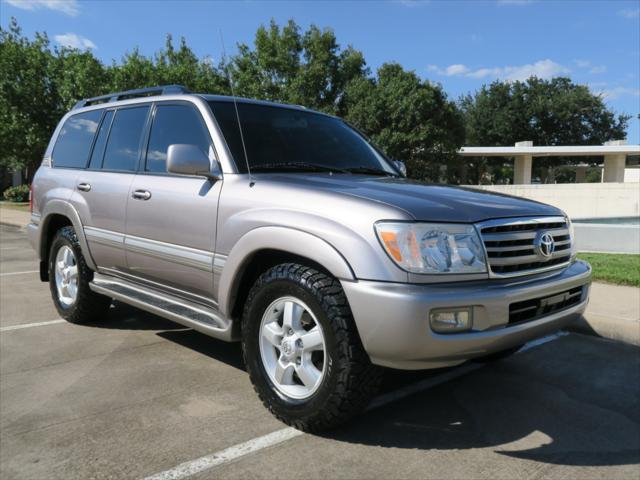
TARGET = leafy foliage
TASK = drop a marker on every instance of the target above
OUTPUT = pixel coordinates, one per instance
(307, 69)
(548, 112)
(19, 193)
(409, 118)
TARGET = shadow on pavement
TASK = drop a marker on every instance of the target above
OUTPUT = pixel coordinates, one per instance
(574, 401)
(571, 402)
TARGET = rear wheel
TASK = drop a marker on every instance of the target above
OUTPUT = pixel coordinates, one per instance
(302, 349)
(69, 278)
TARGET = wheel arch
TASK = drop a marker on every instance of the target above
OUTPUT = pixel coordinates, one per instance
(56, 215)
(264, 247)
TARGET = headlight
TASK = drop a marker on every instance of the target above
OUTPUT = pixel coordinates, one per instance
(433, 247)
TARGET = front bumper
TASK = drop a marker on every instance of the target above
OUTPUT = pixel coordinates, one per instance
(393, 319)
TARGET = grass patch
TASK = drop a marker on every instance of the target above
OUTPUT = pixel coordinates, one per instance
(614, 268)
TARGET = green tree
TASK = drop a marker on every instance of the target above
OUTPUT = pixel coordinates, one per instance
(547, 112)
(38, 86)
(410, 119)
(169, 66)
(28, 99)
(285, 65)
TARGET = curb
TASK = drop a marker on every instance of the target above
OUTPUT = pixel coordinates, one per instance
(619, 330)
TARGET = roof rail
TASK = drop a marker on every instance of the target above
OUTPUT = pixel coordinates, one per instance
(140, 92)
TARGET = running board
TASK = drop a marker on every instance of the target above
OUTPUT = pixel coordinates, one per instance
(200, 318)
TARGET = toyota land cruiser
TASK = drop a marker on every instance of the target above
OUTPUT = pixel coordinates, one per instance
(285, 229)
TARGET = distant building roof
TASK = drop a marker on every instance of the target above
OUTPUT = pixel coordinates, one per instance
(562, 151)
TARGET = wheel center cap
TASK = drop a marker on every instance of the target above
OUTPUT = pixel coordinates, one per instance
(289, 347)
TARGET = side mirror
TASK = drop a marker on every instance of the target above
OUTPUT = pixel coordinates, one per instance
(401, 166)
(190, 160)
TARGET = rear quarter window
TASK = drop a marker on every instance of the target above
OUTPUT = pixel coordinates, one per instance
(74, 141)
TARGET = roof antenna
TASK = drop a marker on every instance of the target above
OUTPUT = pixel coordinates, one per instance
(235, 104)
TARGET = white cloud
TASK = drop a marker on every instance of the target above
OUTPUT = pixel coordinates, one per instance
(617, 92)
(451, 70)
(68, 7)
(592, 68)
(73, 40)
(541, 69)
(630, 13)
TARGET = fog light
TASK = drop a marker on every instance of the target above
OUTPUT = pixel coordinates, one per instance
(451, 320)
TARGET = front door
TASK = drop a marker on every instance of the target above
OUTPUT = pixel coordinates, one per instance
(171, 219)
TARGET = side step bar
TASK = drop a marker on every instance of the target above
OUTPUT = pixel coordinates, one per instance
(200, 318)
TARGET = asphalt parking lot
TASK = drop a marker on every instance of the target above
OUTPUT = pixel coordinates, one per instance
(138, 396)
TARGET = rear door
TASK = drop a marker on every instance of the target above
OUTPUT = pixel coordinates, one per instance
(171, 219)
(102, 189)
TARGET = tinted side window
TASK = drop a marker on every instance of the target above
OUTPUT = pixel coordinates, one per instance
(174, 124)
(123, 146)
(74, 142)
(101, 141)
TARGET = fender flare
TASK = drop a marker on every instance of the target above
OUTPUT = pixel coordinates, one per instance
(61, 207)
(285, 239)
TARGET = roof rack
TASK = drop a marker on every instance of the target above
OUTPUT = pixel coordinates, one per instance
(140, 92)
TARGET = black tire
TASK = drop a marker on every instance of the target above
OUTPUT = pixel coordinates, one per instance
(88, 306)
(350, 380)
(496, 357)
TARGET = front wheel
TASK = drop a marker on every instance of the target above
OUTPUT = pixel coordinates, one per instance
(302, 349)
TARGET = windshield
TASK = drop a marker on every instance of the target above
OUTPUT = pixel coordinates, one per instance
(285, 139)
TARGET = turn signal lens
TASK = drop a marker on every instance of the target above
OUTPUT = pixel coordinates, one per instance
(390, 240)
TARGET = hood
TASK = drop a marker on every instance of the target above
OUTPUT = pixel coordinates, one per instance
(422, 201)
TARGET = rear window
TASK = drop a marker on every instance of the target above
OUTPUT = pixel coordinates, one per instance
(74, 142)
(123, 146)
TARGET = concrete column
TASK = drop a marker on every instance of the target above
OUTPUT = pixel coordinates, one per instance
(522, 166)
(614, 164)
(581, 174)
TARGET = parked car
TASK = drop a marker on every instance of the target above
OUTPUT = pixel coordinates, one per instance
(286, 230)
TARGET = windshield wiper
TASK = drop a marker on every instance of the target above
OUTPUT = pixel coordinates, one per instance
(370, 171)
(314, 167)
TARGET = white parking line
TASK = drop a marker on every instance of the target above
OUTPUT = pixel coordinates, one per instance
(227, 455)
(19, 273)
(29, 325)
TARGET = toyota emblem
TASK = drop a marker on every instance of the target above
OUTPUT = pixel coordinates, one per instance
(545, 245)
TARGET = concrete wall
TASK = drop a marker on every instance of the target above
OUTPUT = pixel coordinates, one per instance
(607, 238)
(581, 200)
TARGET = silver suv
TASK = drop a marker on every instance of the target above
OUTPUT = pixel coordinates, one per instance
(285, 229)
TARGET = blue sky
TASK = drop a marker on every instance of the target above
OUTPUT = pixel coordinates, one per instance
(460, 44)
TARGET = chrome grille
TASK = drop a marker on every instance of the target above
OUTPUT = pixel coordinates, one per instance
(511, 247)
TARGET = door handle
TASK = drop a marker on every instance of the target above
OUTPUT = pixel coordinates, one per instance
(141, 194)
(85, 187)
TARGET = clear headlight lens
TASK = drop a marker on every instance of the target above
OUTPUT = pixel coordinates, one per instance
(433, 247)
